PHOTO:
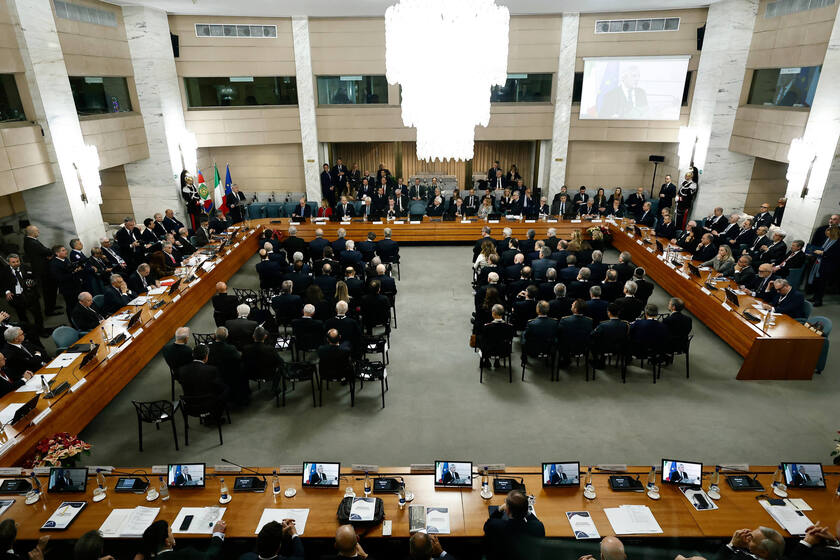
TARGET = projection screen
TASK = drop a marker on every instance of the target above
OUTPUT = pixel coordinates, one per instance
(633, 88)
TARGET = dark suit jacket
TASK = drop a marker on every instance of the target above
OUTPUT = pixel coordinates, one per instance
(114, 300)
(296, 552)
(177, 355)
(610, 336)
(745, 277)
(727, 553)
(802, 552)
(596, 309)
(260, 360)
(202, 237)
(648, 334)
(225, 306)
(792, 304)
(790, 261)
(19, 361)
(679, 327)
(704, 253)
(574, 333)
(213, 552)
(309, 333)
(611, 291)
(63, 273)
(316, 247)
(775, 253)
(37, 254)
(293, 244)
(85, 318)
(124, 239)
(135, 283)
(539, 334)
(240, 331)
(624, 271)
(198, 378)
(287, 306)
(496, 337)
(668, 230)
(348, 330)
(631, 308)
(512, 539)
(559, 307)
(334, 362)
(172, 225)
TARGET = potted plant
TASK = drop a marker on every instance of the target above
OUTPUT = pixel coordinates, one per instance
(59, 450)
(836, 452)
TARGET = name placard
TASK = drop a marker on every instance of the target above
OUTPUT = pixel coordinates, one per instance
(491, 467)
(78, 384)
(706, 291)
(416, 222)
(649, 249)
(176, 298)
(160, 469)
(639, 242)
(399, 223)
(44, 414)
(575, 221)
(158, 314)
(10, 471)
(422, 467)
(726, 306)
(290, 469)
(530, 221)
(365, 468)
(378, 222)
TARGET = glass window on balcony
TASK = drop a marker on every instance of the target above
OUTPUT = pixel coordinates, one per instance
(352, 90)
(241, 91)
(523, 88)
(100, 95)
(11, 108)
(784, 87)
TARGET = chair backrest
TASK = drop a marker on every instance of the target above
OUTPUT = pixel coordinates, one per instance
(153, 411)
(417, 207)
(807, 309)
(99, 300)
(795, 277)
(197, 405)
(65, 336)
(826, 323)
(205, 339)
(289, 208)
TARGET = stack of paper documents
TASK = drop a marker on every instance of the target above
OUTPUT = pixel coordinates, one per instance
(582, 525)
(788, 517)
(362, 509)
(299, 516)
(632, 520)
(433, 520)
(35, 384)
(128, 523)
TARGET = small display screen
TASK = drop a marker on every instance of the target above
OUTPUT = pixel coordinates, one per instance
(67, 480)
(561, 474)
(682, 472)
(323, 475)
(453, 473)
(804, 475)
(187, 475)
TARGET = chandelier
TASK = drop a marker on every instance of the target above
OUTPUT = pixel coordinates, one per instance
(446, 55)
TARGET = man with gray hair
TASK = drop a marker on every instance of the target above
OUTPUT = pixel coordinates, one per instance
(21, 355)
(625, 267)
(597, 268)
(241, 329)
(485, 236)
(787, 300)
(308, 331)
(339, 244)
(795, 258)
(182, 241)
(316, 246)
(142, 280)
(85, 316)
(774, 252)
(387, 249)
(748, 544)
(177, 352)
(349, 330)
(117, 295)
(629, 305)
(294, 244)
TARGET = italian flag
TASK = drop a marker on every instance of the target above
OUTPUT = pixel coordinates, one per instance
(204, 193)
(219, 192)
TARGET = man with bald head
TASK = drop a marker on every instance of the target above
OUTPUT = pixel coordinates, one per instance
(347, 544)
(422, 546)
(224, 305)
(512, 532)
(748, 544)
(86, 316)
(763, 284)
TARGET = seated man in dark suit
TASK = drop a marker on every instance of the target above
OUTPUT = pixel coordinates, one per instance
(227, 359)
(787, 300)
(274, 536)
(367, 247)
(574, 332)
(610, 287)
(308, 331)
(86, 316)
(344, 209)
(631, 306)
(182, 243)
(763, 285)
(524, 306)
(750, 544)
(159, 542)
(241, 329)
(609, 336)
(569, 273)
(540, 333)
(646, 217)
(665, 228)
(561, 305)
(795, 258)
(579, 287)
(202, 234)
(512, 532)
(743, 273)
(647, 334)
(224, 305)
(624, 268)
(596, 308)
(117, 295)
(200, 379)
(705, 250)
(350, 256)
(260, 359)
(177, 352)
(302, 210)
(387, 283)
(334, 360)
(678, 325)
(376, 309)
(819, 544)
(597, 269)
(644, 288)
(22, 358)
(496, 336)
(775, 251)
(349, 331)
(170, 223)
(141, 280)
(268, 271)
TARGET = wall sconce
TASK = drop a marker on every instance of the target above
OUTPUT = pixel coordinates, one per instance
(86, 164)
(801, 157)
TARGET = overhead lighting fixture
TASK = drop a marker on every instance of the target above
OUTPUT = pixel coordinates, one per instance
(446, 80)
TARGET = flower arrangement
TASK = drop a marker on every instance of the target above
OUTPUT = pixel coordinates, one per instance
(60, 450)
(836, 452)
(600, 235)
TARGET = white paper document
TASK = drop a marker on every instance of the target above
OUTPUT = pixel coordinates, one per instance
(128, 523)
(5, 504)
(582, 525)
(362, 509)
(789, 518)
(799, 504)
(34, 384)
(437, 520)
(139, 300)
(8, 413)
(274, 514)
(202, 521)
(63, 360)
(157, 291)
(632, 520)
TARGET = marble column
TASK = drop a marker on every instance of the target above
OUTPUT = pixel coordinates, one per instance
(563, 103)
(822, 133)
(57, 209)
(154, 182)
(306, 107)
(725, 175)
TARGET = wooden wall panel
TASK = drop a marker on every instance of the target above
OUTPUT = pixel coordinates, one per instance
(367, 155)
(412, 165)
(116, 199)
(508, 153)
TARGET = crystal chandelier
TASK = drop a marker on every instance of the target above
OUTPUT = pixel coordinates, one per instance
(446, 55)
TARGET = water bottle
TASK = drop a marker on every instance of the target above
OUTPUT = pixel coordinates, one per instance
(402, 495)
(485, 481)
(275, 483)
(223, 490)
(714, 479)
(163, 489)
(44, 387)
(367, 485)
(651, 482)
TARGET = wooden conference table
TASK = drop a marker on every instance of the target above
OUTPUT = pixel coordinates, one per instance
(104, 377)
(468, 511)
(784, 350)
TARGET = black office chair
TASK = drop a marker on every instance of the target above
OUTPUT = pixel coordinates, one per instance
(156, 412)
(205, 408)
(372, 371)
(681, 347)
(301, 343)
(502, 352)
(376, 344)
(298, 371)
(390, 263)
(540, 350)
(205, 339)
(344, 372)
(603, 352)
(651, 353)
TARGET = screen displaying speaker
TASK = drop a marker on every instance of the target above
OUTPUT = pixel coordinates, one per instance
(633, 88)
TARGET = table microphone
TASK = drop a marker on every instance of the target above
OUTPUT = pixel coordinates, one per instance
(248, 483)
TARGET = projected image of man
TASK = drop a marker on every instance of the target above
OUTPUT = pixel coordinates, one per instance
(627, 100)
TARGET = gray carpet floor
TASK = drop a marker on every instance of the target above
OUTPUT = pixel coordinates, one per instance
(436, 408)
